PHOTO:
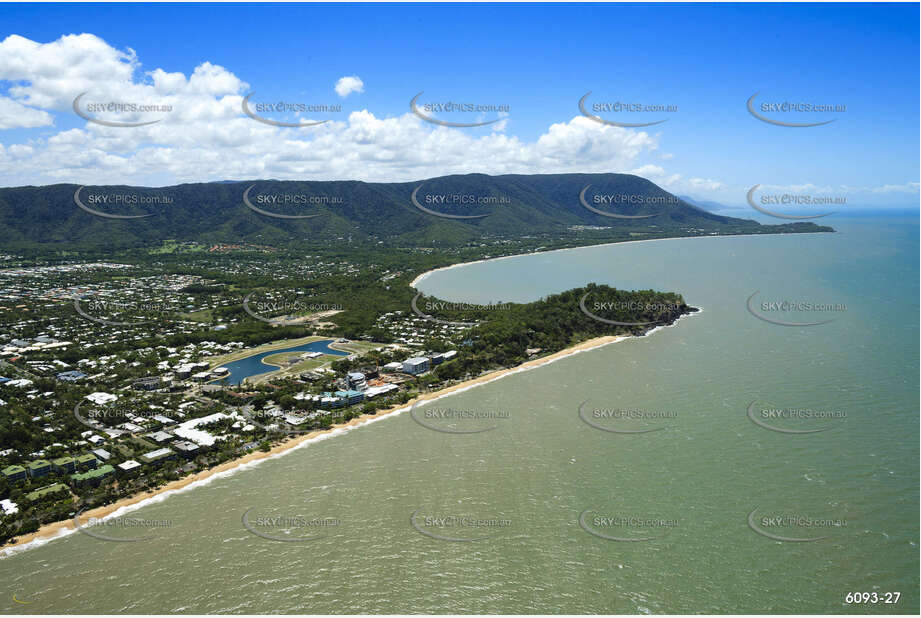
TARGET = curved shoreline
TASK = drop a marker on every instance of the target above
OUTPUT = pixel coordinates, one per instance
(422, 276)
(61, 529)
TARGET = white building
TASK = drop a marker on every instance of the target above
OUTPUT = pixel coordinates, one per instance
(101, 398)
(416, 365)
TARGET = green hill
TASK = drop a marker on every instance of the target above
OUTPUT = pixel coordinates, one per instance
(382, 213)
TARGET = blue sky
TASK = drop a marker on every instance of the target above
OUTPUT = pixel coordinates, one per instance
(706, 59)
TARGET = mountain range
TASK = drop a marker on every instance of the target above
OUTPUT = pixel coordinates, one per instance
(393, 214)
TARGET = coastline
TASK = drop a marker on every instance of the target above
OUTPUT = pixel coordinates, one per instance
(422, 276)
(61, 529)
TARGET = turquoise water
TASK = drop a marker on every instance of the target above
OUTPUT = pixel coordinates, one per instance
(542, 466)
(253, 365)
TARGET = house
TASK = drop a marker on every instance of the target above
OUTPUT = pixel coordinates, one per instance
(186, 448)
(39, 468)
(71, 376)
(86, 460)
(160, 437)
(101, 454)
(374, 391)
(14, 473)
(65, 464)
(416, 365)
(159, 455)
(92, 477)
(129, 467)
(146, 384)
(101, 398)
(9, 507)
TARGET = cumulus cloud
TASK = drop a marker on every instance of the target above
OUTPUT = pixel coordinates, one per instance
(15, 115)
(349, 84)
(203, 135)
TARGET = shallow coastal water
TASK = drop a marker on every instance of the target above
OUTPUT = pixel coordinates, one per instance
(542, 466)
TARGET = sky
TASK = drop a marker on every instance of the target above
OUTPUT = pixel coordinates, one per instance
(529, 64)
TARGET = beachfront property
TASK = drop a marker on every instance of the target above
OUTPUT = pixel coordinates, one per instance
(441, 357)
(356, 381)
(38, 494)
(416, 365)
(92, 477)
(186, 448)
(129, 467)
(374, 391)
(159, 455)
(14, 473)
(8, 507)
(349, 397)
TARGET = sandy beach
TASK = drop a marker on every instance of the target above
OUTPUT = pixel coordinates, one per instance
(607, 244)
(62, 528)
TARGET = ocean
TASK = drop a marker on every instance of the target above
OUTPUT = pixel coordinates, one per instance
(632, 478)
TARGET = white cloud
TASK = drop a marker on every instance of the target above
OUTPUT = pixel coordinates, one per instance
(205, 136)
(349, 84)
(14, 115)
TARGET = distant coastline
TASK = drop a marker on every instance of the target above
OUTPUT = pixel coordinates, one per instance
(606, 244)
